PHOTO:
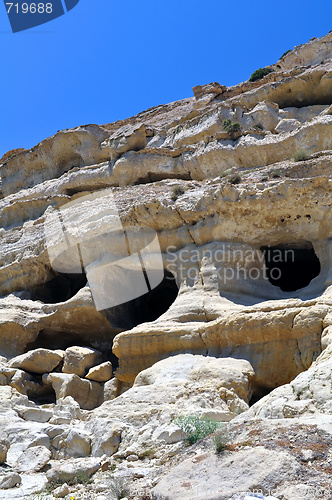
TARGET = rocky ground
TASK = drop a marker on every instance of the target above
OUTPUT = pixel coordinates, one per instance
(92, 397)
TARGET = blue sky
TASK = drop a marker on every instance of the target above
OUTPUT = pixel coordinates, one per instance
(106, 60)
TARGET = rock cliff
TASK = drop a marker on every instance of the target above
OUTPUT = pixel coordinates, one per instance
(235, 183)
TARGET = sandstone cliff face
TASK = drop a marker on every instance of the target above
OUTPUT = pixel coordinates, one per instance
(236, 182)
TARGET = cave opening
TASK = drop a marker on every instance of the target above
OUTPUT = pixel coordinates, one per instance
(146, 308)
(60, 288)
(291, 266)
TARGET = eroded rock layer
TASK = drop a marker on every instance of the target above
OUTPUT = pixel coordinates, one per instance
(236, 184)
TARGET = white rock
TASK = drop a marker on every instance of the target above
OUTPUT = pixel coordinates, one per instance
(37, 361)
(72, 443)
(100, 373)
(68, 470)
(287, 125)
(33, 459)
(9, 480)
(87, 393)
(37, 415)
(78, 360)
(61, 491)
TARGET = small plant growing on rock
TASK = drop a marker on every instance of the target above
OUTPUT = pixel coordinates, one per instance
(301, 155)
(118, 488)
(285, 53)
(221, 442)
(231, 127)
(176, 192)
(260, 73)
(196, 427)
(82, 478)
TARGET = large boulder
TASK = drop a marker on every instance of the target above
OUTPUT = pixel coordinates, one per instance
(33, 459)
(38, 360)
(88, 394)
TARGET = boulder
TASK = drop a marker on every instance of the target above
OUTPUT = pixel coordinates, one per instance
(224, 476)
(88, 394)
(9, 480)
(107, 441)
(38, 360)
(33, 459)
(71, 443)
(100, 373)
(65, 470)
(61, 492)
(78, 360)
(37, 415)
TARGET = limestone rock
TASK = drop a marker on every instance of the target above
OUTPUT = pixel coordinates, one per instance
(186, 369)
(213, 175)
(88, 394)
(225, 476)
(307, 395)
(9, 480)
(72, 443)
(61, 492)
(37, 361)
(37, 415)
(69, 470)
(78, 360)
(100, 373)
(33, 459)
(107, 441)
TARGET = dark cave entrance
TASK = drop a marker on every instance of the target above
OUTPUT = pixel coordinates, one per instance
(59, 289)
(291, 266)
(148, 307)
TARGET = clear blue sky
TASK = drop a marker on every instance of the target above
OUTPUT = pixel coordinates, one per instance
(106, 60)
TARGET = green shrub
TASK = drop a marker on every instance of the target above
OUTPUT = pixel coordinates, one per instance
(176, 192)
(285, 53)
(260, 73)
(301, 155)
(221, 442)
(231, 127)
(196, 427)
(118, 488)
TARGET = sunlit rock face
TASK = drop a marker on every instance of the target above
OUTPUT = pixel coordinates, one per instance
(236, 184)
(174, 264)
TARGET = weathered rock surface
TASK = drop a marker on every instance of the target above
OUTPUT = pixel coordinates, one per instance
(223, 477)
(100, 373)
(38, 361)
(33, 459)
(10, 480)
(78, 360)
(223, 178)
(87, 393)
